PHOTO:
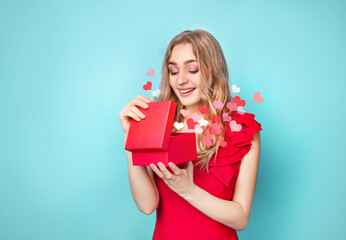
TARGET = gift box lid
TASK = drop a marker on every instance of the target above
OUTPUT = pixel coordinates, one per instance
(153, 132)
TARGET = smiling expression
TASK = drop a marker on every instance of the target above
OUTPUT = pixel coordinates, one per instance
(184, 75)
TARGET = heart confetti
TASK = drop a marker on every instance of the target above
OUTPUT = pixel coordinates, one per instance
(147, 86)
(207, 140)
(235, 89)
(217, 104)
(215, 129)
(257, 97)
(235, 127)
(178, 125)
(239, 102)
(198, 129)
(196, 117)
(226, 117)
(231, 106)
(203, 109)
(184, 112)
(190, 123)
(241, 110)
(151, 72)
(203, 122)
(156, 93)
(216, 118)
(221, 142)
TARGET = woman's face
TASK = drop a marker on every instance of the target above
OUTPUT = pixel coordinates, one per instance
(184, 75)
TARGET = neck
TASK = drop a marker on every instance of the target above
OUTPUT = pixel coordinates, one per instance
(193, 108)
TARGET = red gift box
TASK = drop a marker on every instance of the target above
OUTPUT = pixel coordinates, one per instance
(150, 140)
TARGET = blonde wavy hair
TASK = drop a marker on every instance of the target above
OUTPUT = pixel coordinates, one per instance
(214, 86)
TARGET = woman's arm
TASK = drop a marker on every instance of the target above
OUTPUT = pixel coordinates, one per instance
(235, 213)
(142, 183)
(143, 187)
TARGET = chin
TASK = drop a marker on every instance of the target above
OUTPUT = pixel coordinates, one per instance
(188, 101)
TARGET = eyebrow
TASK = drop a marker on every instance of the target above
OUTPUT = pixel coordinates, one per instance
(186, 62)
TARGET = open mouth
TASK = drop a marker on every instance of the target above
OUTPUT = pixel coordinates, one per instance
(187, 90)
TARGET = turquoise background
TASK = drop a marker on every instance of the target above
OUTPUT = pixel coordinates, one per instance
(67, 68)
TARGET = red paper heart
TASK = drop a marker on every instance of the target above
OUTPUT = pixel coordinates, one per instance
(147, 86)
(239, 102)
(216, 118)
(190, 123)
(203, 109)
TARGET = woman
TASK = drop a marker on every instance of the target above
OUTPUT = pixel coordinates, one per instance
(211, 197)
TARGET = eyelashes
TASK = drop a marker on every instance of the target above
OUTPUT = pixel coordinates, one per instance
(175, 73)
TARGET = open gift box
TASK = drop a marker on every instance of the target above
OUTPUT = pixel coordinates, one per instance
(151, 139)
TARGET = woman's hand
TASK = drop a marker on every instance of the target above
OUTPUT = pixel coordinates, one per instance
(180, 181)
(131, 111)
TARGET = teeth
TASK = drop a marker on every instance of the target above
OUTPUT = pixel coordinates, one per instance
(187, 90)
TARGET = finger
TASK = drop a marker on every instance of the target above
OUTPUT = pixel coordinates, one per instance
(137, 112)
(190, 165)
(139, 102)
(145, 99)
(151, 99)
(156, 170)
(133, 115)
(174, 168)
(164, 170)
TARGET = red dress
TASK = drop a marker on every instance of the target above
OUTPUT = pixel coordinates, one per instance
(179, 220)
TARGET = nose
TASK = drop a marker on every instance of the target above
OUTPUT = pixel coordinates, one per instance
(182, 78)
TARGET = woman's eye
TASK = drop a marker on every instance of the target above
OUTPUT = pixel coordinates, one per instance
(175, 73)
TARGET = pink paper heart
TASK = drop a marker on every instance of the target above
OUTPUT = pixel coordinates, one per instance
(151, 72)
(226, 117)
(196, 117)
(184, 112)
(231, 106)
(207, 140)
(257, 97)
(215, 129)
(221, 142)
(235, 127)
(217, 104)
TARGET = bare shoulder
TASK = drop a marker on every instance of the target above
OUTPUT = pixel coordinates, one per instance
(245, 185)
